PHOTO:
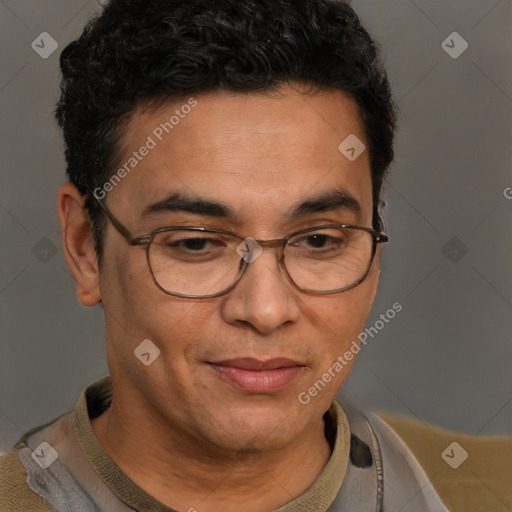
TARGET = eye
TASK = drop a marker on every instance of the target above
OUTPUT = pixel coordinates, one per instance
(193, 244)
(188, 245)
(318, 242)
(325, 243)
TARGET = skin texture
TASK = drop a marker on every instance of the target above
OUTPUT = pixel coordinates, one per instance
(187, 437)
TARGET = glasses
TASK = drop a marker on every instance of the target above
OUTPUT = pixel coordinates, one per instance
(198, 262)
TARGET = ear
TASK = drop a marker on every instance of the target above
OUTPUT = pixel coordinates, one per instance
(78, 244)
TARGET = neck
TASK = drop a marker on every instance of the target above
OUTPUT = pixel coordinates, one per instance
(185, 473)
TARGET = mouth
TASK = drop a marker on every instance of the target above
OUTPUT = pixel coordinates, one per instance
(255, 376)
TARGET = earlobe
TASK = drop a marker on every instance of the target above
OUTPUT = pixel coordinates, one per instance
(78, 244)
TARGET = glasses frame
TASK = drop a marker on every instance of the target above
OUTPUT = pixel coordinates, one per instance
(146, 240)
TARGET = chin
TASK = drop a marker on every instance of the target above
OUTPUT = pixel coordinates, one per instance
(255, 430)
(252, 444)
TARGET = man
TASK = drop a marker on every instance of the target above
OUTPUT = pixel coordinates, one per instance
(226, 163)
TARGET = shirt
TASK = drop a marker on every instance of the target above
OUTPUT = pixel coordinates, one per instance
(62, 467)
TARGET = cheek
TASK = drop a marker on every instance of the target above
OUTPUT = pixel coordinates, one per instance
(130, 297)
(138, 309)
(179, 327)
(344, 316)
(340, 321)
(127, 279)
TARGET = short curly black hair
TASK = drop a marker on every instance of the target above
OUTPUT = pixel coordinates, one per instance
(148, 51)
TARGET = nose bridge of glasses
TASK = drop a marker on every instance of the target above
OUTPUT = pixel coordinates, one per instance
(276, 242)
(264, 264)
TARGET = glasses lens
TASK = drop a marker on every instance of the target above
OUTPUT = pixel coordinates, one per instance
(329, 259)
(192, 262)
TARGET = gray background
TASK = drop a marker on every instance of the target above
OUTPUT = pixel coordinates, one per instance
(446, 358)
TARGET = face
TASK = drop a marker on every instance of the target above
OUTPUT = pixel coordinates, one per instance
(260, 156)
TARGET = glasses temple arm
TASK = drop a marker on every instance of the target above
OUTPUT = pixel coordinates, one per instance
(122, 230)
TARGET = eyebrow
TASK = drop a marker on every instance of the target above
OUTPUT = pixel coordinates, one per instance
(339, 199)
(177, 202)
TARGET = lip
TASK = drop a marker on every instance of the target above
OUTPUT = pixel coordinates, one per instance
(250, 363)
(256, 376)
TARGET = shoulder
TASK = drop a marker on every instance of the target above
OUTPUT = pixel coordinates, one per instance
(467, 472)
(15, 493)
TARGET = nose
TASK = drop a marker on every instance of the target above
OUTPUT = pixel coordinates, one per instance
(263, 298)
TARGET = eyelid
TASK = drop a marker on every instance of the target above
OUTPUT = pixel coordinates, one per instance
(300, 224)
(283, 229)
(184, 224)
(202, 229)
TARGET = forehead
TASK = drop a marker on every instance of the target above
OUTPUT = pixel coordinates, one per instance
(259, 152)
